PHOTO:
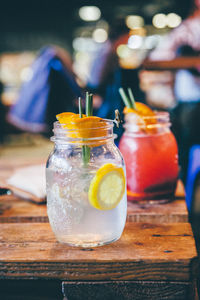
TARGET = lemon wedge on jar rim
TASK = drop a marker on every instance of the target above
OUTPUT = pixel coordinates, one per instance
(107, 187)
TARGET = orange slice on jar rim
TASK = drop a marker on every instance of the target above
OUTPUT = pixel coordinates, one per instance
(91, 127)
(63, 117)
(141, 109)
(144, 116)
(67, 119)
(85, 127)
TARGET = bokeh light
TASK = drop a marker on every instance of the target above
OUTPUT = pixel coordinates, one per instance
(173, 20)
(151, 41)
(134, 21)
(100, 35)
(123, 51)
(159, 21)
(89, 13)
(84, 44)
(135, 42)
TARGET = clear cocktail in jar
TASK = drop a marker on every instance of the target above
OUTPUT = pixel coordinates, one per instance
(86, 186)
(150, 152)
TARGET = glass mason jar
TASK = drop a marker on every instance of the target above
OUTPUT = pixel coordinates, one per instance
(72, 217)
(151, 156)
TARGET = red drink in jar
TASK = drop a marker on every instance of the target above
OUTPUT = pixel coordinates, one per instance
(150, 152)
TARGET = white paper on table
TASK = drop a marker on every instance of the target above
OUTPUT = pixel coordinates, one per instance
(30, 180)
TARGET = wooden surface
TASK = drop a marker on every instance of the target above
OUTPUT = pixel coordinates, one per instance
(16, 210)
(177, 63)
(135, 290)
(154, 259)
(30, 149)
(144, 252)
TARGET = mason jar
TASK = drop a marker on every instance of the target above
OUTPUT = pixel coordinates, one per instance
(150, 152)
(74, 169)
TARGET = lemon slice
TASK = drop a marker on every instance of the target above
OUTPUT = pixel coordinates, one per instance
(107, 187)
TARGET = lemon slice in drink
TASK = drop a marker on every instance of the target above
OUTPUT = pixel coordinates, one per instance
(107, 187)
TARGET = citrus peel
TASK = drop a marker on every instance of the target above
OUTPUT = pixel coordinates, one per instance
(107, 187)
(144, 116)
(85, 127)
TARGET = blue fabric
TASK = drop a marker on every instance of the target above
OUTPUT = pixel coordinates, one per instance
(187, 86)
(29, 112)
(193, 171)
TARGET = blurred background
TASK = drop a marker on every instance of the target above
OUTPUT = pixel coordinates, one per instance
(52, 52)
(82, 30)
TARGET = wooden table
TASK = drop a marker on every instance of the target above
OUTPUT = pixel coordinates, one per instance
(184, 62)
(154, 259)
(16, 210)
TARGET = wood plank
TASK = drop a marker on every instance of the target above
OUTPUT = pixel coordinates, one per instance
(144, 252)
(183, 62)
(135, 290)
(13, 209)
(16, 210)
(172, 212)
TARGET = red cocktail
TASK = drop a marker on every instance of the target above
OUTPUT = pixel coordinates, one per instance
(151, 156)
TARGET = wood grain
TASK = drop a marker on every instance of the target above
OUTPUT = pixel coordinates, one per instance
(16, 210)
(173, 212)
(129, 290)
(144, 252)
(174, 64)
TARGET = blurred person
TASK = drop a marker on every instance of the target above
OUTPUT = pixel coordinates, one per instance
(107, 76)
(2, 115)
(51, 89)
(104, 75)
(184, 40)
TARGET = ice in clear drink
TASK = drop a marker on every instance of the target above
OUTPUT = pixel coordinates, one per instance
(72, 218)
(86, 186)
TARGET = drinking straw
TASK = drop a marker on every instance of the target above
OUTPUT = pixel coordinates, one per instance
(89, 112)
(85, 149)
(80, 107)
(89, 104)
(132, 98)
(128, 101)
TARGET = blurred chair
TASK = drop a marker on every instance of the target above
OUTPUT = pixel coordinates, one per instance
(193, 181)
(51, 89)
(2, 116)
(193, 194)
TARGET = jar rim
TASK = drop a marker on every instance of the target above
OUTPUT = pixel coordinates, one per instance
(159, 115)
(58, 126)
(89, 136)
(134, 122)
